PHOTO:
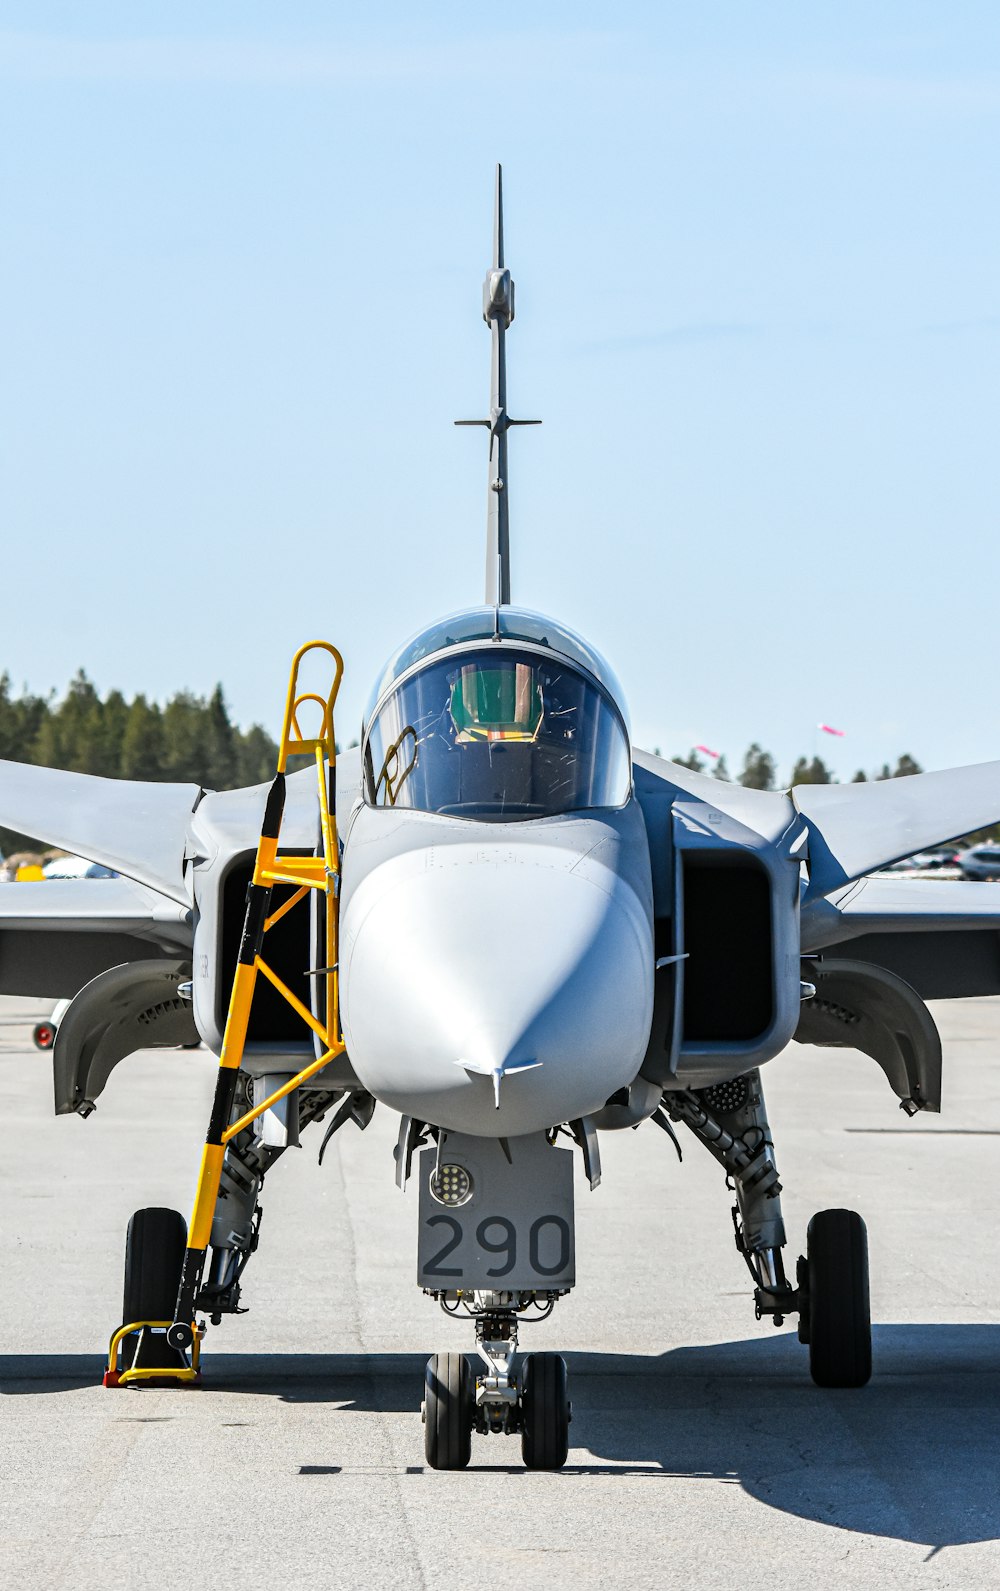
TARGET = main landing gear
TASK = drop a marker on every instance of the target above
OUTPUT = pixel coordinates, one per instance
(524, 1393)
(834, 1315)
(831, 1295)
(155, 1246)
(162, 1255)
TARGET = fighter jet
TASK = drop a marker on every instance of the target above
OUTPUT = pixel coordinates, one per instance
(502, 922)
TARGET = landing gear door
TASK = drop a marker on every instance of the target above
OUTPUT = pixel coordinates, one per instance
(493, 1223)
(132, 1007)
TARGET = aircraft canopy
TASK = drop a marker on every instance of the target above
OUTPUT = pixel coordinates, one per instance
(497, 732)
(499, 624)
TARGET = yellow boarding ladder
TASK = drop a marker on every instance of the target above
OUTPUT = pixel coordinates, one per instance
(304, 874)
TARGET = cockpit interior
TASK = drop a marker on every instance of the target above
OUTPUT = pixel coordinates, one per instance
(501, 725)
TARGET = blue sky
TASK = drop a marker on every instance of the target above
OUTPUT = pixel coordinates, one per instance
(757, 254)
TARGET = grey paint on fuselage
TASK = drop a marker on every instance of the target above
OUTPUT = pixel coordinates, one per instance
(522, 945)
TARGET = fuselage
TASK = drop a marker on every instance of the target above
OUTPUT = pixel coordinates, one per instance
(496, 940)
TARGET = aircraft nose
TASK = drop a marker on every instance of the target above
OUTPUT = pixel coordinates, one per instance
(495, 996)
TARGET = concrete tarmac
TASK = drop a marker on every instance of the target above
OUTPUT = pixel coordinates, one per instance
(701, 1453)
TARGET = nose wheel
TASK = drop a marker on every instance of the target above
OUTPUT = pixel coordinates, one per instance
(512, 1393)
(449, 1411)
(545, 1412)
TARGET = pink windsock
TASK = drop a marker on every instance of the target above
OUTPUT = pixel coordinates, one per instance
(828, 729)
(708, 751)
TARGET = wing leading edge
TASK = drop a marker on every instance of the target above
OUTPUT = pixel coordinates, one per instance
(136, 828)
(856, 828)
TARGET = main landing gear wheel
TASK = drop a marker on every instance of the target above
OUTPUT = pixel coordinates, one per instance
(449, 1411)
(545, 1412)
(154, 1254)
(835, 1273)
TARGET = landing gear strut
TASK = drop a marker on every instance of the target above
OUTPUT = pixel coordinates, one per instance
(831, 1296)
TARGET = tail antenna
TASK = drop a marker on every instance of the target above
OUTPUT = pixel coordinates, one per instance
(498, 312)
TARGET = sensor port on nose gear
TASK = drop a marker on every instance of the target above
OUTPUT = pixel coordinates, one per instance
(831, 1297)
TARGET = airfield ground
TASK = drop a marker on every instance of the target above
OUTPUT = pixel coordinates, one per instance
(701, 1455)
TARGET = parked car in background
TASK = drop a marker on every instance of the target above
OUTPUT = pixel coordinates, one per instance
(980, 862)
(941, 862)
(76, 867)
(940, 856)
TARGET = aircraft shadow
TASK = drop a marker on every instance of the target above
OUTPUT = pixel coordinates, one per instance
(914, 1456)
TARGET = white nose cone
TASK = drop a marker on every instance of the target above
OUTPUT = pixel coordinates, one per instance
(494, 990)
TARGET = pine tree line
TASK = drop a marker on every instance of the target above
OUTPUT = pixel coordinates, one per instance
(190, 739)
(760, 769)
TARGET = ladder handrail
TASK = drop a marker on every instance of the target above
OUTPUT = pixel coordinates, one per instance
(292, 742)
(323, 874)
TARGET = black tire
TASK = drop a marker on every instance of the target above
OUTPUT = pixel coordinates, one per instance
(840, 1333)
(449, 1411)
(544, 1412)
(154, 1253)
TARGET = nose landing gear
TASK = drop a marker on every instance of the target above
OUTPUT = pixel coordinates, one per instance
(524, 1393)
